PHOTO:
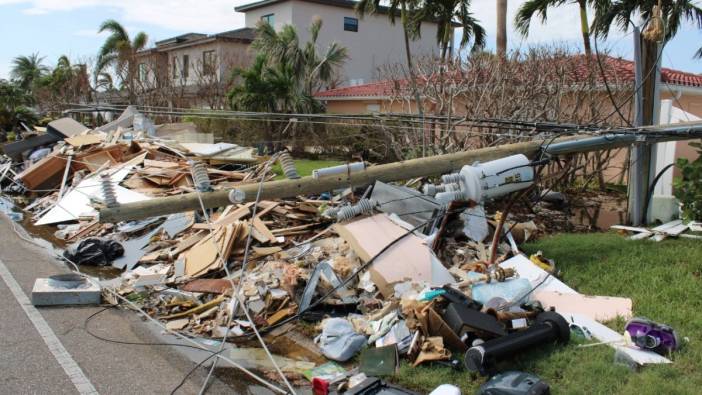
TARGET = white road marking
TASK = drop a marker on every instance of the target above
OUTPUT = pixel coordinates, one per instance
(69, 365)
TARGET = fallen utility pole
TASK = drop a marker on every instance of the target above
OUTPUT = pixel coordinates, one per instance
(422, 167)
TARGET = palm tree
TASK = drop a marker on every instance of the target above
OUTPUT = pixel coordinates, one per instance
(119, 51)
(621, 13)
(448, 12)
(65, 83)
(315, 69)
(411, 24)
(530, 8)
(501, 28)
(663, 19)
(27, 70)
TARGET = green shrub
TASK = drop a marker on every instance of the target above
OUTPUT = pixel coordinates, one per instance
(688, 188)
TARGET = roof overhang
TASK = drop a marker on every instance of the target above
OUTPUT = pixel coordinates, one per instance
(352, 98)
(350, 4)
(683, 89)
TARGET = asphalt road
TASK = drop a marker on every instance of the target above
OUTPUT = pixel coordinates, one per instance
(27, 366)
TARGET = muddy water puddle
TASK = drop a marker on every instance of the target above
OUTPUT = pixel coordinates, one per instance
(44, 236)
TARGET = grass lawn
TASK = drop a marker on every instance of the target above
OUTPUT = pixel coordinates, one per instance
(305, 167)
(662, 279)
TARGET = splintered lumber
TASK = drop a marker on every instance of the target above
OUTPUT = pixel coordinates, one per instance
(85, 139)
(195, 310)
(263, 230)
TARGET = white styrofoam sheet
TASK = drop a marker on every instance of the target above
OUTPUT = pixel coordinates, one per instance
(77, 202)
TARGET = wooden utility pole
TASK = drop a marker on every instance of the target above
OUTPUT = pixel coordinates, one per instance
(421, 167)
(501, 28)
(647, 51)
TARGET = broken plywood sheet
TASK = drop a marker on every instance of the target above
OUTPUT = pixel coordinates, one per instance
(211, 252)
(65, 127)
(408, 259)
(85, 139)
(46, 173)
(536, 276)
(600, 308)
(97, 160)
(209, 285)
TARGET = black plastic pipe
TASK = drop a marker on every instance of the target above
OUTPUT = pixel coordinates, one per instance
(549, 327)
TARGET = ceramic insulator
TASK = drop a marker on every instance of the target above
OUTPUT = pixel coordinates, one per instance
(108, 191)
(449, 196)
(288, 165)
(363, 206)
(452, 178)
(200, 176)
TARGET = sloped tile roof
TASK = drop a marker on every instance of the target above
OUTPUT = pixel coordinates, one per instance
(616, 69)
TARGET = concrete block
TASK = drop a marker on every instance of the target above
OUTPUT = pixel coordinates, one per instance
(50, 293)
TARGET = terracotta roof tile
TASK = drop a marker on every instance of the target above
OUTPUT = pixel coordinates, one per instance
(617, 69)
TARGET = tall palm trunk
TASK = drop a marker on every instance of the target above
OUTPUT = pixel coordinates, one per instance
(502, 28)
(585, 28)
(408, 53)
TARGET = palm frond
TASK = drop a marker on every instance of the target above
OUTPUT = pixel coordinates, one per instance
(140, 41)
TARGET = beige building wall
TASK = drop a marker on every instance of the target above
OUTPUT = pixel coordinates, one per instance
(376, 43)
(282, 14)
(229, 54)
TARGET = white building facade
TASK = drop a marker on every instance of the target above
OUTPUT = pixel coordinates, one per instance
(371, 41)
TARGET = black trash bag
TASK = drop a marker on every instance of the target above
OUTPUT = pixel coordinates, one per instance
(94, 251)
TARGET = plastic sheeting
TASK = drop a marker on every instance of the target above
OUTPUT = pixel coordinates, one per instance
(338, 341)
(94, 251)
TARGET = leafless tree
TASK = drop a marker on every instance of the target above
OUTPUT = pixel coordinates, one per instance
(467, 100)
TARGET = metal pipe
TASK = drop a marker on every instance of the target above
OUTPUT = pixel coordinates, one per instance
(549, 327)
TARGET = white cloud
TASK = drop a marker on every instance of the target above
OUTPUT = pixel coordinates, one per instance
(182, 15)
(562, 25)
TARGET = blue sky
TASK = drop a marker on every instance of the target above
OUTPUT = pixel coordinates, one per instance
(56, 27)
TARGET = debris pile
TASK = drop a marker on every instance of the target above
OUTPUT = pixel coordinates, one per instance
(358, 283)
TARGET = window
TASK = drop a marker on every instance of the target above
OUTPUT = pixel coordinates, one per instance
(269, 19)
(186, 67)
(350, 24)
(175, 67)
(209, 62)
(142, 72)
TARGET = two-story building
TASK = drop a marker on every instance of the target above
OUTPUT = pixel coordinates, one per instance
(193, 68)
(371, 41)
